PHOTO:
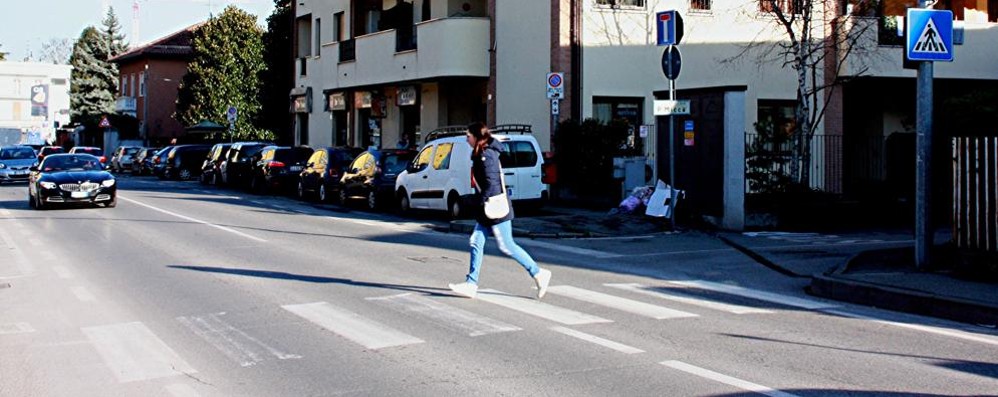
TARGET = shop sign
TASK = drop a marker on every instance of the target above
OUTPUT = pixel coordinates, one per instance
(337, 101)
(363, 99)
(406, 96)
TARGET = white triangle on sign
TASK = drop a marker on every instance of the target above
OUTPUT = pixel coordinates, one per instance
(929, 41)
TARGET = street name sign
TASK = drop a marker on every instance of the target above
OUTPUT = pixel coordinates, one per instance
(930, 35)
(669, 108)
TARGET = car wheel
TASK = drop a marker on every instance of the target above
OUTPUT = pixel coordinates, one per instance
(454, 209)
(214, 178)
(405, 206)
(113, 203)
(184, 174)
(203, 179)
(372, 200)
(31, 201)
(322, 193)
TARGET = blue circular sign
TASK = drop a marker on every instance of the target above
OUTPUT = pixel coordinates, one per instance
(554, 80)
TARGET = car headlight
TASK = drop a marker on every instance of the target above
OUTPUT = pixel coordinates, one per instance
(2, 166)
(48, 185)
(108, 183)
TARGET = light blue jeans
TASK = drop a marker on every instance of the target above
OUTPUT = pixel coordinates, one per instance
(503, 233)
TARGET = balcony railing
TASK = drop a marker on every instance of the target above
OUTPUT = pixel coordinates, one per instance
(125, 104)
(348, 50)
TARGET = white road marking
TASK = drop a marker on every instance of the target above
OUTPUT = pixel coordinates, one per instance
(539, 309)
(134, 353)
(35, 242)
(616, 302)
(620, 347)
(689, 300)
(5, 212)
(16, 328)
(239, 346)
(787, 300)
(187, 218)
(182, 390)
(63, 272)
(722, 378)
(445, 315)
(24, 266)
(986, 339)
(569, 249)
(83, 295)
(367, 333)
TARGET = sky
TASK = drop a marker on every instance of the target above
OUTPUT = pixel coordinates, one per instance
(29, 23)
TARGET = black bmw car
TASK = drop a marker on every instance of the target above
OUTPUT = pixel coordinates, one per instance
(71, 179)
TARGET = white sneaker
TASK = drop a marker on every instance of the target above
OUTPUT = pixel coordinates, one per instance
(465, 289)
(543, 278)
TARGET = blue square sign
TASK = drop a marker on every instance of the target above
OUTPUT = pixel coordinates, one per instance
(930, 35)
(669, 25)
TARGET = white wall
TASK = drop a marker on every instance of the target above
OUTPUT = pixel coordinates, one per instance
(16, 80)
(524, 60)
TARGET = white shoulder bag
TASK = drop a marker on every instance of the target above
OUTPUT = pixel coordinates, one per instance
(497, 207)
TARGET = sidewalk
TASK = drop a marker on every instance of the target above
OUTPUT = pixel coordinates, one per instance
(561, 222)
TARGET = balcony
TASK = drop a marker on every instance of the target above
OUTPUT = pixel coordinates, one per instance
(446, 47)
(125, 104)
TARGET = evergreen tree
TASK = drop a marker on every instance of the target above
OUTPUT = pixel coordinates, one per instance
(278, 78)
(112, 33)
(94, 78)
(225, 71)
(3, 55)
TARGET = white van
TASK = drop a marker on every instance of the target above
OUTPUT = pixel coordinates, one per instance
(439, 178)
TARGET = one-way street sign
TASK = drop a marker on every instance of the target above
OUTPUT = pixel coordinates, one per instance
(930, 35)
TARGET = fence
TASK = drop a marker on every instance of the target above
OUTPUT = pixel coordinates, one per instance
(975, 193)
(769, 162)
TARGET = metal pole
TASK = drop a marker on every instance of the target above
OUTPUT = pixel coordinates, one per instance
(672, 150)
(145, 107)
(923, 182)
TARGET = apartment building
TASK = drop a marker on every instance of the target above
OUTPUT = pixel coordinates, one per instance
(372, 71)
(377, 72)
(34, 101)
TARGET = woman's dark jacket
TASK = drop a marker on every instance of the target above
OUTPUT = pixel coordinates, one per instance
(486, 167)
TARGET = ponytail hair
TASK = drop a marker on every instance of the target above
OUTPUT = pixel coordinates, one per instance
(482, 136)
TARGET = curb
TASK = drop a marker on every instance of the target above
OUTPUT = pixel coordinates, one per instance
(903, 300)
(762, 260)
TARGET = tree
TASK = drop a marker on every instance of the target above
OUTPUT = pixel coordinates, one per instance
(112, 33)
(225, 71)
(817, 41)
(57, 51)
(3, 55)
(95, 80)
(278, 78)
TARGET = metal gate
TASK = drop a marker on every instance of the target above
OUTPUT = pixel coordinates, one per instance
(975, 193)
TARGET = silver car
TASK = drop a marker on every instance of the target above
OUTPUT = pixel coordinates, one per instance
(15, 162)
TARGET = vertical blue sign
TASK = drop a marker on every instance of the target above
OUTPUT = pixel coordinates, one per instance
(930, 35)
(666, 22)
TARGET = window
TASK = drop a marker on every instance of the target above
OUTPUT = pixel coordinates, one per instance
(441, 160)
(787, 6)
(314, 160)
(338, 27)
(318, 36)
(777, 116)
(124, 85)
(423, 159)
(142, 84)
(360, 163)
(131, 85)
(701, 5)
(621, 3)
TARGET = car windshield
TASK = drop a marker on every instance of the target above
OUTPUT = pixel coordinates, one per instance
(396, 163)
(17, 153)
(71, 163)
(131, 150)
(93, 151)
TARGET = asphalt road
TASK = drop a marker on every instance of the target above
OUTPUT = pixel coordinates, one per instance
(181, 291)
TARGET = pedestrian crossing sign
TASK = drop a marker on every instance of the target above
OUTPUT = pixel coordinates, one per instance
(930, 35)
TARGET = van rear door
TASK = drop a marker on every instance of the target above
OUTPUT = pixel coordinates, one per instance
(521, 166)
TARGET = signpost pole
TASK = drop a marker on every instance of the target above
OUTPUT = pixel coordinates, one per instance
(923, 182)
(672, 150)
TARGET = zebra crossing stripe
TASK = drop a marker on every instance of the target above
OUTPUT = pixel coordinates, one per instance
(235, 344)
(445, 315)
(689, 300)
(134, 353)
(622, 304)
(538, 309)
(353, 327)
(785, 300)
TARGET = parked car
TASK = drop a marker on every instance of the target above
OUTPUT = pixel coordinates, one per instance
(372, 175)
(184, 162)
(278, 168)
(47, 150)
(123, 157)
(322, 173)
(71, 179)
(142, 163)
(235, 170)
(440, 176)
(93, 151)
(210, 168)
(15, 162)
(159, 161)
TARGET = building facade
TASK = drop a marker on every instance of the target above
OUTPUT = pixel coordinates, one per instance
(150, 76)
(34, 101)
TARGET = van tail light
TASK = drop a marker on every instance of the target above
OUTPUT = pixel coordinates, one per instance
(275, 164)
(103, 159)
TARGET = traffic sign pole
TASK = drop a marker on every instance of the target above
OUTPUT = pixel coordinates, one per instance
(923, 182)
(672, 146)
